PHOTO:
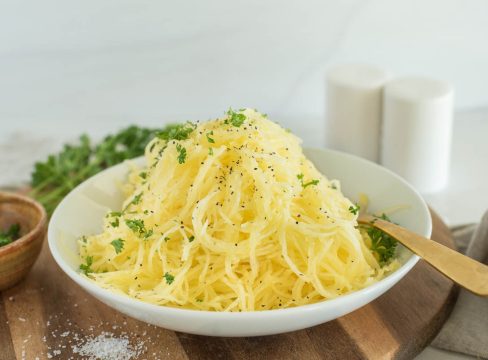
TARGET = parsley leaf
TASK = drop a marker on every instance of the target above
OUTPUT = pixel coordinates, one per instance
(311, 182)
(354, 209)
(12, 233)
(235, 118)
(115, 223)
(209, 139)
(176, 131)
(136, 200)
(169, 278)
(148, 234)
(181, 153)
(136, 225)
(191, 238)
(381, 243)
(86, 268)
(210, 151)
(118, 245)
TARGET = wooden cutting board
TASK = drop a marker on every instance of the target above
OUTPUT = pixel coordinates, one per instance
(47, 315)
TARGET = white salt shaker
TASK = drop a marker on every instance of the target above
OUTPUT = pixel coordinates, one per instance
(354, 109)
(417, 129)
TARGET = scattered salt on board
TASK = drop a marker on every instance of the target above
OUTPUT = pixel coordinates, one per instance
(106, 346)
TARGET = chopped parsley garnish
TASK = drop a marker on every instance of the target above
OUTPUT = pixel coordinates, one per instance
(210, 151)
(199, 300)
(169, 278)
(181, 153)
(86, 268)
(137, 199)
(136, 225)
(209, 139)
(235, 118)
(148, 234)
(304, 184)
(118, 245)
(143, 175)
(12, 233)
(115, 223)
(354, 209)
(191, 238)
(176, 131)
(166, 238)
(381, 243)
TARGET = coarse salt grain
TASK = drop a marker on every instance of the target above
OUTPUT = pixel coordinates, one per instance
(106, 346)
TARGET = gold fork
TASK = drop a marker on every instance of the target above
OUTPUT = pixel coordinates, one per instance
(466, 272)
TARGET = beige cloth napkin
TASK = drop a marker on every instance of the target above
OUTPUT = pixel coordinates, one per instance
(466, 330)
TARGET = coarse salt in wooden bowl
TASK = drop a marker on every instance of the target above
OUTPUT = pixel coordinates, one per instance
(17, 258)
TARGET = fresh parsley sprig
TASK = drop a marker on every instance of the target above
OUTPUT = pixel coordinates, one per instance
(55, 177)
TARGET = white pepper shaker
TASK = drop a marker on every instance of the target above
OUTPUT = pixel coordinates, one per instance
(354, 109)
(417, 131)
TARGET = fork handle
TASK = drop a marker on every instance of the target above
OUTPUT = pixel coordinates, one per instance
(466, 272)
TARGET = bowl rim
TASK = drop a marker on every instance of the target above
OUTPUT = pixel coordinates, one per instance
(31, 235)
(126, 300)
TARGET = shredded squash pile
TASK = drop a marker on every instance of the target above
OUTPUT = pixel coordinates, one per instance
(229, 215)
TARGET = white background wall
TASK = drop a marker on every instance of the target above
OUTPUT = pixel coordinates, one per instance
(71, 66)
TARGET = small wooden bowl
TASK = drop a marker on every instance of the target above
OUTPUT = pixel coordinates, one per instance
(17, 258)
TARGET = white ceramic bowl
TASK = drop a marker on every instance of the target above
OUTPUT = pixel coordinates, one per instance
(82, 212)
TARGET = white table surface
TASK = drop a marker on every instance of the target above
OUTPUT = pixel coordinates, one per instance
(463, 201)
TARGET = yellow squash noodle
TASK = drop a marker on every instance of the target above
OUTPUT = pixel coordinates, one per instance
(229, 215)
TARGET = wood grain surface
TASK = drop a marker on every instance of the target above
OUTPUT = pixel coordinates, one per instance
(47, 315)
